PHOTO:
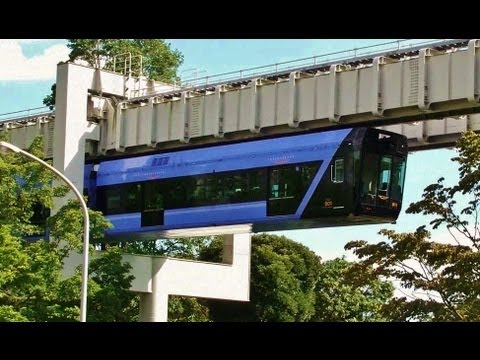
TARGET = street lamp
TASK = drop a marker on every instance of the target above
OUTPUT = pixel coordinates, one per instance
(86, 223)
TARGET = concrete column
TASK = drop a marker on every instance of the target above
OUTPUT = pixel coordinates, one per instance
(227, 255)
(154, 307)
(228, 280)
(71, 125)
(71, 122)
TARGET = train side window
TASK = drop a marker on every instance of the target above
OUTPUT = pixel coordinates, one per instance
(214, 189)
(337, 171)
(235, 188)
(257, 186)
(132, 193)
(384, 175)
(114, 200)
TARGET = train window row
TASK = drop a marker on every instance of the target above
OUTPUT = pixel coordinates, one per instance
(285, 182)
(216, 188)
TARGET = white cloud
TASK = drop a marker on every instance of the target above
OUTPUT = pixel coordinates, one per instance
(14, 65)
(29, 41)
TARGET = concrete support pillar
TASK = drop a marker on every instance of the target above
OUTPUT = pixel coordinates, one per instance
(227, 255)
(154, 306)
(229, 280)
(71, 125)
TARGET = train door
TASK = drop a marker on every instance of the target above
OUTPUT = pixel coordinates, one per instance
(369, 179)
(384, 181)
(382, 186)
(282, 197)
(153, 204)
(287, 186)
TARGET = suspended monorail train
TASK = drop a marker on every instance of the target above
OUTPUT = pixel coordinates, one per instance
(329, 178)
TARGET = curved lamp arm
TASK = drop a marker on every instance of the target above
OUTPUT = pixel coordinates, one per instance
(86, 223)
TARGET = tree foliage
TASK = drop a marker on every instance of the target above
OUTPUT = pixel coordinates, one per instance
(187, 309)
(49, 100)
(346, 292)
(30, 281)
(160, 62)
(184, 248)
(111, 298)
(67, 226)
(283, 278)
(32, 285)
(444, 276)
(25, 188)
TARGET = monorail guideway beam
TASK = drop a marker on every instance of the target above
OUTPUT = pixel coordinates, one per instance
(429, 83)
(439, 81)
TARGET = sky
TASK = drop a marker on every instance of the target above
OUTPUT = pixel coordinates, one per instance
(28, 67)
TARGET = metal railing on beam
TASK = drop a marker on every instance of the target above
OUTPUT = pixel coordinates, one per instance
(24, 116)
(360, 55)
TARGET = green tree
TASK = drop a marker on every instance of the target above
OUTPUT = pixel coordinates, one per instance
(32, 286)
(9, 314)
(24, 189)
(30, 276)
(346, 292)
(187, 309)
(444, 276)
(284, 275)
(111, 299)
(160, 62)
(49, 100)
(184, 248)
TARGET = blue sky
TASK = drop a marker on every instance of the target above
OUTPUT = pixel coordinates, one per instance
(27, 70)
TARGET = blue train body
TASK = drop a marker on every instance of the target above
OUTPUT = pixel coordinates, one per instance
(306, 180)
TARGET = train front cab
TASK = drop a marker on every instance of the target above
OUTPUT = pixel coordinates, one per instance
(382, 174)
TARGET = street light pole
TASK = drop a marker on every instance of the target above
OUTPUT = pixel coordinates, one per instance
(86, 223)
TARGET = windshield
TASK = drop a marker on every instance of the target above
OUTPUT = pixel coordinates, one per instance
(368, 186)
(398, 177)
(382, 179)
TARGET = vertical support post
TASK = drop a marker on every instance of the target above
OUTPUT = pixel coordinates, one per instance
(423, 55)
(292, 100)
(253, 107)
(153, 122)
(154, 306)
(422, 95)
(218, 111)
(377, 102)
(185, 111)
(470, 79)
(119, 138)
(332, 95)
(227, 254)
